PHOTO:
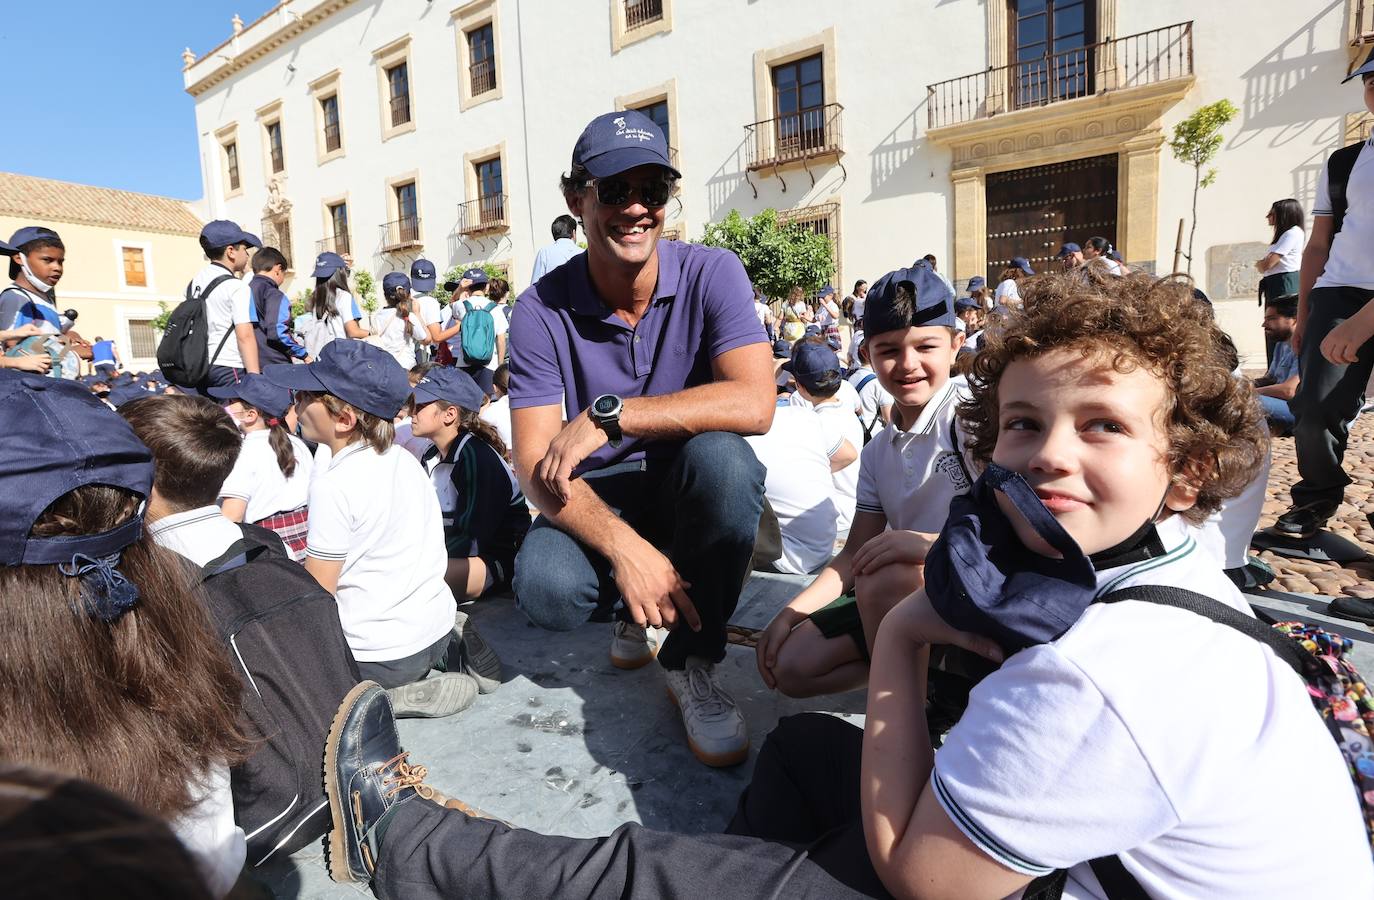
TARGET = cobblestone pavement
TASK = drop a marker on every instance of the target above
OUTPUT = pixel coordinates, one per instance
(1355, 579)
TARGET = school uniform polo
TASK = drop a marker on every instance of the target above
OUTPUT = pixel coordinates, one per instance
(377, 514)
(229, 304)
(910, 477)
(1350, 264)
(840, 417)
(1151, 733)
(568, 347)
(21, 306)
(257, 479)
(484, 513)
(427, 309)
(796, 452)
(1289, 249)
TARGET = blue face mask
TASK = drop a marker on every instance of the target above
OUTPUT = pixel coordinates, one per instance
(981, 578)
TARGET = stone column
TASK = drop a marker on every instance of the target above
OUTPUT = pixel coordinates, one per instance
(970, 221)
(997, 38)
(1137, 203)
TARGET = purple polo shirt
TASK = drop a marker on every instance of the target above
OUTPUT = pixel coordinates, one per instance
(568, 347)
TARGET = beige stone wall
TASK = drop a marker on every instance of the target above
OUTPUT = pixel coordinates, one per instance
(93, 280)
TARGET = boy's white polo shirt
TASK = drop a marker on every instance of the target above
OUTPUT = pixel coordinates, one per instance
(910, 477)
(229, 304)
(1151, 733)
(377, 514)
(257, 478)
(795, 452)
(1350, 264)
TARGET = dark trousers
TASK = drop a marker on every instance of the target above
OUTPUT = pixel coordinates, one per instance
(701, 508)
(441, 655)
(219, 376)
(1328, 397)
(797, 835)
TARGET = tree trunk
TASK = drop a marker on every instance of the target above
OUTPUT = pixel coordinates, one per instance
(1192, 230)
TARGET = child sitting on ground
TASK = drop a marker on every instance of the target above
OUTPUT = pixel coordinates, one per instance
(484, 511)
(375, 540)
(270, 482)
(908, 473)
(1184, 750)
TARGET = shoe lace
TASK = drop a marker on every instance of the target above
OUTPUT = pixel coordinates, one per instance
(403, 775)
(710, 701)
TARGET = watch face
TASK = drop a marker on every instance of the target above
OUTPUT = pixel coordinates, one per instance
(604, 406)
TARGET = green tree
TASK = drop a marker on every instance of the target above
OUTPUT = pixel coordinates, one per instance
(1196, 142)
(367, 289)
(300, 303)
(777, 256)
(163, 316)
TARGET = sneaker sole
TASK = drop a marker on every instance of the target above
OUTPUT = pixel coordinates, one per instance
(433, 711)
(714, 760)
(336, 853)
(638, 662)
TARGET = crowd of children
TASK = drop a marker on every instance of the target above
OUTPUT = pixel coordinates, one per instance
(1029, 580)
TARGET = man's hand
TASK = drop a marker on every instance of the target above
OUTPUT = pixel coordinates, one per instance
(891, 547)
(578, 440)
(1342, 344)
(915, 621)
(770, 642)
(653, 590)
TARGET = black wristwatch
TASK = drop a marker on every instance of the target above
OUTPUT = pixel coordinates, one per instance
(605, 412)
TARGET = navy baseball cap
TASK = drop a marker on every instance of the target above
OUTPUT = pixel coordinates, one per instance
(6, 249)
(1020, 262)
(977, 283)
(1362, 70)
(256, 390)
(29, 233)
(327, 264)
(393, 280)
(476, 276)
(223, 233)
(815, 366)
(826, 291)
(422, 275)
(356, 372)
(1067, 250)
(619, 141)
(782, 349)
(934, 301)
(127, 393)
(966, 303)
(56, 436)
(451, 385)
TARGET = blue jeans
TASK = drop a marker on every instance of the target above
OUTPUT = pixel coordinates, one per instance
(1281, 418)
(701, 508)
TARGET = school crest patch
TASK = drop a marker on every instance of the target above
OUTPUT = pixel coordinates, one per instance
(949, 465)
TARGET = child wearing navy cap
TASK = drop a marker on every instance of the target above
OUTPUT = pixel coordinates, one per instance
(908, 473)
(393, 327)
(110, 666)
(35, 267)
(270, 483)
(485, 514)
(375, 537)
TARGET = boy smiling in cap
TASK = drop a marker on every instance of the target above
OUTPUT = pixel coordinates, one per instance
(375, 539)
(654, 350)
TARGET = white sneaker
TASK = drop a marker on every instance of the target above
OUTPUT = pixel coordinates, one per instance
(715, 727)
(633, 645)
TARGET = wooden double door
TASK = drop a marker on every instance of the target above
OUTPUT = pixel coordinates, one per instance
(1032, 212)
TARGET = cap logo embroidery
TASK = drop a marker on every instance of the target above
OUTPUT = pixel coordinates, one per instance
(625, 131)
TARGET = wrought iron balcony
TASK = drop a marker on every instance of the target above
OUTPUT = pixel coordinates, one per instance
(332, 139)
(402, 233)
(798, 136)
(1362, 23)
(1118, 64)
(483, 75)
(642, 12)
(335, 243)
(400, 110)
(483, 215)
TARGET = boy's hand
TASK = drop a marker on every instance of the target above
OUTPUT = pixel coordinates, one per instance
(578, 440)
(40, 363)
(770, 642)
(654, 592)
(892, 547)
(915, 621)
(1342, 344)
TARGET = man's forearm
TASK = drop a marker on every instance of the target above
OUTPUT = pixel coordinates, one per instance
(585, 516)
(720, 406)
(897, 754)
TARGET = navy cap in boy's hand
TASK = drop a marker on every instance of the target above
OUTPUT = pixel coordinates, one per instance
(451, 385)
(619, 141)
(56, 436)
(223, 233)
(815, 366)
(934, 301)
(356, 372)
(256, 390)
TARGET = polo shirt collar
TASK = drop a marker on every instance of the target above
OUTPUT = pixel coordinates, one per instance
(182, 519)
(586, 301)
(925, 422)
(345, 453)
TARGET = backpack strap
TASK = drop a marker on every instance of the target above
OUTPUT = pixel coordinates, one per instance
(1338, 170)
(255, 542)
(1179, 598)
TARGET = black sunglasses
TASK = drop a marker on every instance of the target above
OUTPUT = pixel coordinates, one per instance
(616, 191)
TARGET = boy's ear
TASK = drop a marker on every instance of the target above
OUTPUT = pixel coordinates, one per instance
(1183, 493)
(346, 421)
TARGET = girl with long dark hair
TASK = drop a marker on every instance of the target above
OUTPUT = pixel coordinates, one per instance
(1280, 264)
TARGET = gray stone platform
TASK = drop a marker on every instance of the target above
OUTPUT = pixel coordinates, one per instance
(570, 745)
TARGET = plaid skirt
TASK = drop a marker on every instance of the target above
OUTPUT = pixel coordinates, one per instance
(292, 527)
